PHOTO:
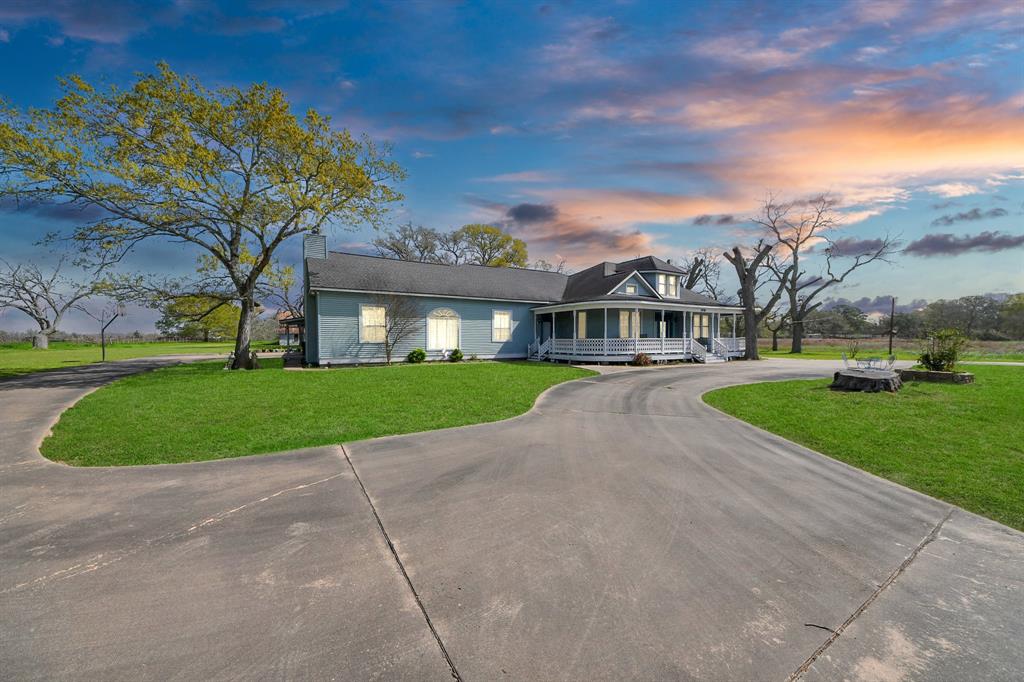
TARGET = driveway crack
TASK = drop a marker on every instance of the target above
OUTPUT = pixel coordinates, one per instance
(401, 567)
(928, 539)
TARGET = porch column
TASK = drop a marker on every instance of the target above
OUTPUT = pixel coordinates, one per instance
(606, 330)
(662, 331)
(574, 332)
(553, 325)
(636, 331)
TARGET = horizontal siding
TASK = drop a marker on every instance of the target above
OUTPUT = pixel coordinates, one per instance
(339, 328)
(641, 286)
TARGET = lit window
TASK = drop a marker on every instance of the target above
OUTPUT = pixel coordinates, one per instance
(501, 325)
(443, 329)
(667, 285)
(372, 324)
(581, 324)
(630, 289)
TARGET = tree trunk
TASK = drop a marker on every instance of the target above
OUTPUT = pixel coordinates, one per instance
(775, 339)
(243, 356)
(41, 340)
(798, 336)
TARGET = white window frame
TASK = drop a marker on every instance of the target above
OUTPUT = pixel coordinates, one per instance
(668, 285)
(431, 346)
(495, 328)
(631, 320)
(363, 337)
(630, 290)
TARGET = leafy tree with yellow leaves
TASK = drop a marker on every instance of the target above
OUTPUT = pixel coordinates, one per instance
(231, 172)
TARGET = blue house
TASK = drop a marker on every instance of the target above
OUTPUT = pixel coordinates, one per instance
(606, 313)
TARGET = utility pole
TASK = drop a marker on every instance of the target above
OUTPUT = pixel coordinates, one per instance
(892, 320)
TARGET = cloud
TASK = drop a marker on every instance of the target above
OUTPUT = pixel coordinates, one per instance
(5, 37)
(522, 176)
(725, 219)
(952, 245)
(532, 213)
(851, 246)
(973, 214)
(421, 155)
(56, 211)
(953, 189)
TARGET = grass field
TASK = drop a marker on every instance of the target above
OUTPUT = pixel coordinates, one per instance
(21, 358)
(198, 411)
(832, 349)
(962, 444)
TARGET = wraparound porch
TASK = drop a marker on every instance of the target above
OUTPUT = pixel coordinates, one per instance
(612, 332)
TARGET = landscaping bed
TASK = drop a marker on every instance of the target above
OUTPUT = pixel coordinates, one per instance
(960, 443)
(199, 411)
(939, 377)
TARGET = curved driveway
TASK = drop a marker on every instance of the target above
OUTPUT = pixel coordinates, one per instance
(620, 530)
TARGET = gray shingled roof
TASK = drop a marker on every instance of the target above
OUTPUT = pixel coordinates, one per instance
(374, 273)
(648, 263)
(356, 272)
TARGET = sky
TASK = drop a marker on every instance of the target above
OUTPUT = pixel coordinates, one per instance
(606, 130)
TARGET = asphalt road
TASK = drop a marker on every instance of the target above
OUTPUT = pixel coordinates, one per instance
(620, 530)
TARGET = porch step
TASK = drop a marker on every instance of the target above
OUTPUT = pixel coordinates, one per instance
(712, 359)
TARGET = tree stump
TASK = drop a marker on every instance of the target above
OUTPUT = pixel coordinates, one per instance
(867, 380)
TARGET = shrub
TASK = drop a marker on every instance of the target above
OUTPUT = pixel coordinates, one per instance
(641, 360)
(416, 355)
(942, 351)
(455, 356)
(852, 348)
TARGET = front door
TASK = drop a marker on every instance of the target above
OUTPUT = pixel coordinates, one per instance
(702, 328)
(545, 330)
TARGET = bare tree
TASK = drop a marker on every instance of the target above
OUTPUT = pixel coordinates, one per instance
(560, 267)
(402, 319)
(703, 272)
(749, 271)
(410, 242)
(776, 323)
(797, 227)
(46, 296)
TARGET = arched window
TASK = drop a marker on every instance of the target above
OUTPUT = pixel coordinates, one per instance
(442, 329)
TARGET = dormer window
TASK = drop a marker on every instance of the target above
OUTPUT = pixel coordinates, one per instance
(668, 285)
(630, 290)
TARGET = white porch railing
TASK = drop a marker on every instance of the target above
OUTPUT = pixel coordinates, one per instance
(620, 347)
(698, 351)
(734, 344)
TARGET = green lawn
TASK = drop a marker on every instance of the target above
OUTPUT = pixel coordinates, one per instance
(196, 412)
(21, 358)
(978, 351)
(962, 444)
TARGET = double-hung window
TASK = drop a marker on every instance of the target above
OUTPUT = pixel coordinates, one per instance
(501, 325)
(667, 285)
(372, 324)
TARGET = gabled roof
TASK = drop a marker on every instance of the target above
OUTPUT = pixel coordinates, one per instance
(648, 264)
(349, 271)
(356, 272)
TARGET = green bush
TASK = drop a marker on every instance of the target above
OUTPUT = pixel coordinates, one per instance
(455, 356)
(641, 360)
(416, 355)
(943, 349)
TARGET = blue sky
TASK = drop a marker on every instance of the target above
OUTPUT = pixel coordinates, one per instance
(606, 130)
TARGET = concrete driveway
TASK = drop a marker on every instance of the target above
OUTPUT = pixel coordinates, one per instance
(620, 530)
